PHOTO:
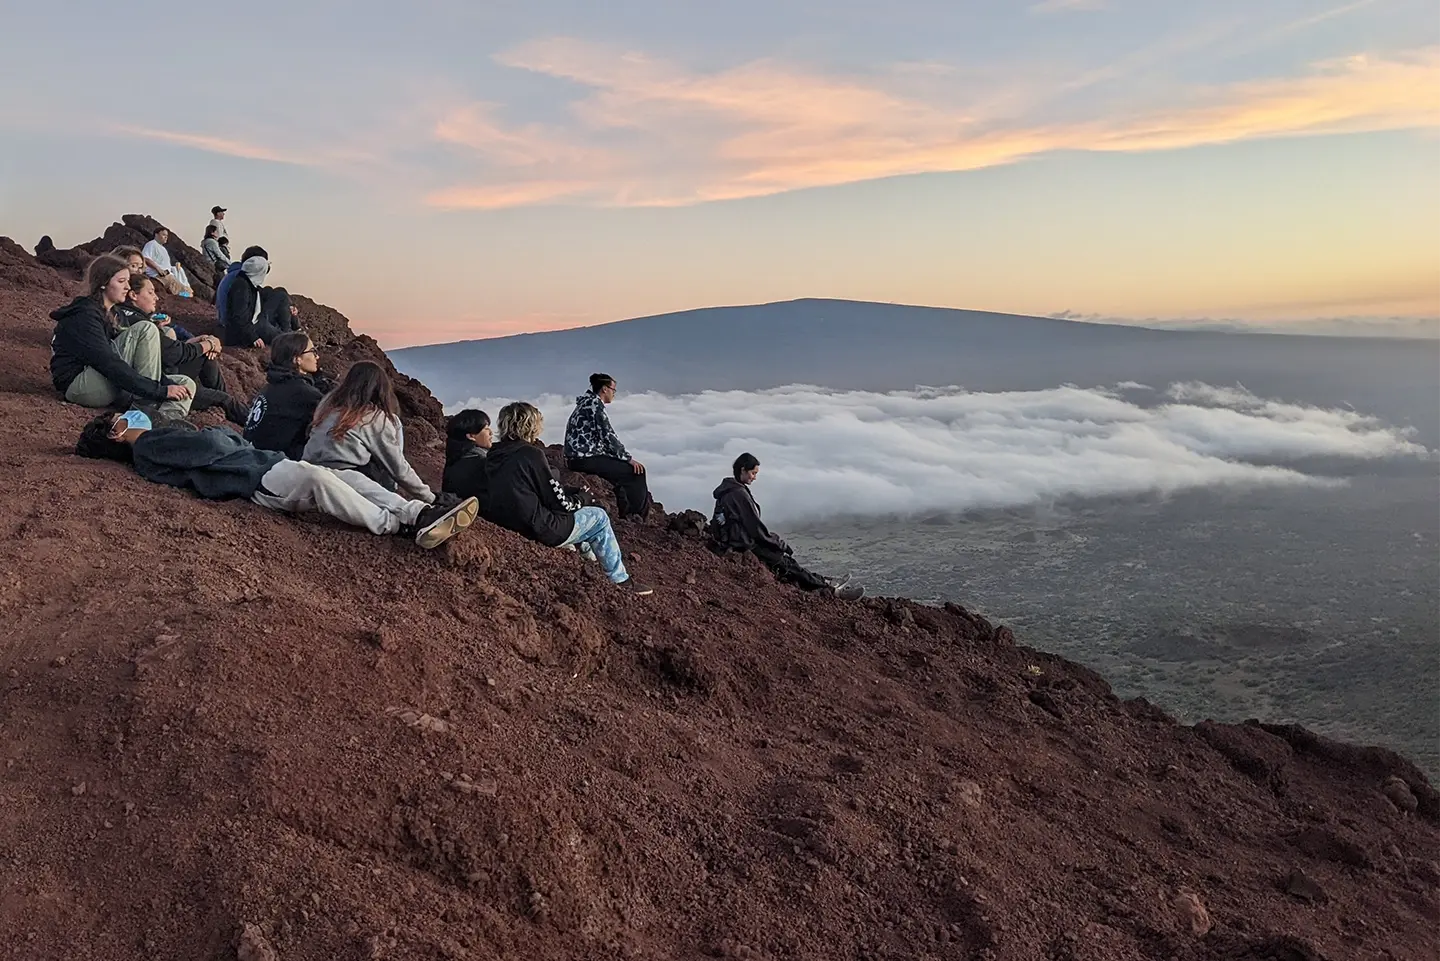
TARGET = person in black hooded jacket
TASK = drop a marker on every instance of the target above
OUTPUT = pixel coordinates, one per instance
(94, 363)
(525, 496)
(254, 314)
(194, 357)
(281, 413)
(736, 526)
(467, 442)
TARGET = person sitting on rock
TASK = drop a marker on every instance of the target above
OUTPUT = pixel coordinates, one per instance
(591, 447)
(196, 357)
(218, 464)
(736, 526)
(525, 496)
(94, 363)
(158, 265)
(467, 441)
(251, 314)
(213, 252)
(281, 414)
(357, 427)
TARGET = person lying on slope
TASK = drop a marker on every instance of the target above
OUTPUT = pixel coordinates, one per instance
(468, 440)
(280, 415)
(592, 447)
(357, 427)
(195, 358)
(525, 496)
(94, 363)
(736, 526)
(219, 464)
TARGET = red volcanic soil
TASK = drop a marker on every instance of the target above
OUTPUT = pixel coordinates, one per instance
(226, 733)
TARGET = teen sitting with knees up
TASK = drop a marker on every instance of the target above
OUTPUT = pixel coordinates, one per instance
(218, 464)
(281, 414)
(159, 266)
(357, 427)
(736, 526)
(94, 363)
(251, 314)
(196, 358)
(525, 496)
(468, 440)
(591, 447)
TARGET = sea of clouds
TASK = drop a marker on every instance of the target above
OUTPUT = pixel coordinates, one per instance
(829, 452)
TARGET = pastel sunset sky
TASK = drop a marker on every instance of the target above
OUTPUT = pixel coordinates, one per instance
(442, 170)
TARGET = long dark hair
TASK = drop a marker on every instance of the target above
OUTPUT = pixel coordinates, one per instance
(287, 348)
(99, 273)
(364, 390)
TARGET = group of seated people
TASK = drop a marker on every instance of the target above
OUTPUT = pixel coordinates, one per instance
(311, 444)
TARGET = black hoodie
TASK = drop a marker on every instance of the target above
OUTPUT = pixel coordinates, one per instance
(525, 496)
(82, 338)
(736, 524)
(465, 469)
(280, 415)
(176, 356)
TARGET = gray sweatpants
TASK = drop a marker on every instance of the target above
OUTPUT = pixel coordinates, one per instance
(139, 346)
(347, 495)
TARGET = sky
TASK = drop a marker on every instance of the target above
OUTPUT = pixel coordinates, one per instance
(449, 170)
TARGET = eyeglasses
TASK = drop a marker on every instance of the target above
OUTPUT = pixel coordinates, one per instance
(312, 350)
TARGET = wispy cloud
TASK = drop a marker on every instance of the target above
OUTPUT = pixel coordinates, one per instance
(218, 145)
(650, 133)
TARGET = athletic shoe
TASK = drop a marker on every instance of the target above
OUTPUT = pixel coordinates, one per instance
(440, 522)
(850, 592)
(837, 582)
(628, 584)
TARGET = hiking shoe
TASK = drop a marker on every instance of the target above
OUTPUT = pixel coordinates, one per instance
(835, 583)
(639, 590)
(849, 592)
(440, 522)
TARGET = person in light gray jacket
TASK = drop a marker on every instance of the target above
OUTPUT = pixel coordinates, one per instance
(357, 427)
(210, 247)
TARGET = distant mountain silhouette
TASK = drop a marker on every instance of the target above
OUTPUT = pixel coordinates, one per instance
(868, 346)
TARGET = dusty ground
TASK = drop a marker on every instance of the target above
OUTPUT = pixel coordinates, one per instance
(228, 733)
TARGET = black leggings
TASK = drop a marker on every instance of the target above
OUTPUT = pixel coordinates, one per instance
(275, 318)
(632, 493)
(787, 570)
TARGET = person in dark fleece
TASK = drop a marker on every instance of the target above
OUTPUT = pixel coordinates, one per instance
(194, 357)
(281, 413)
(468, 440)
(736, 526)
(591, 447)
(525, 496)
(218, 464)
(251, 314)
(94, 363)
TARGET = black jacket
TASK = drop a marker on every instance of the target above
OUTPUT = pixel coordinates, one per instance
(281, 413)
(176, 356)
(525, 496)
(465, 471)
(83, 332)
(240, 329)
(214, 462)
(736, 524)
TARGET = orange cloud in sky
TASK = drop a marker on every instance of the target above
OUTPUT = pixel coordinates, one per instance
(652, 134)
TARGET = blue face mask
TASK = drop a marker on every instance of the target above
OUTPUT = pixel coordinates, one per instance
(136, 419)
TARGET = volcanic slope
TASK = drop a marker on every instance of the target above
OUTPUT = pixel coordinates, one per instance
(229, 733)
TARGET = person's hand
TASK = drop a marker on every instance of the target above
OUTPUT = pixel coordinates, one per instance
(636, 466)
(259, 342)
(177, 392)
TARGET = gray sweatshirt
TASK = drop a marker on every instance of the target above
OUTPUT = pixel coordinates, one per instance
(377, 438)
